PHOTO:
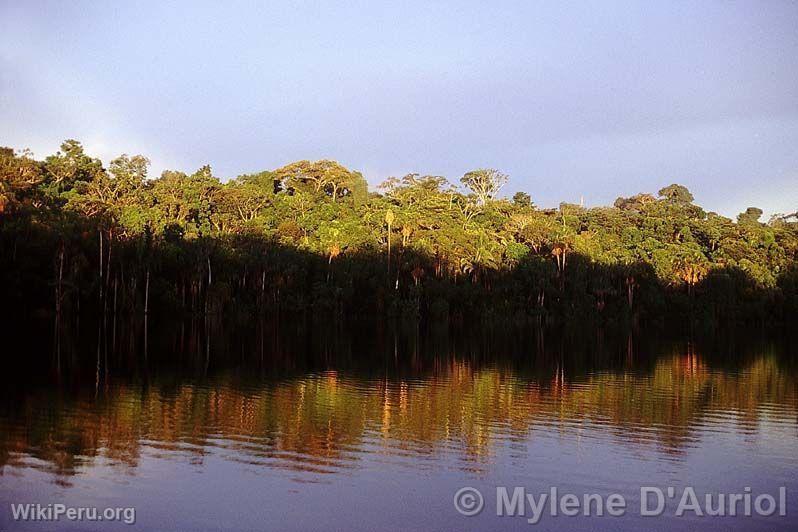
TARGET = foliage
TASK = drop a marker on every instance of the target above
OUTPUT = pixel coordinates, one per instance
(309, 236)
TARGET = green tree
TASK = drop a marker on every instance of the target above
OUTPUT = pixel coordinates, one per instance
(677, 194)
(484, 183)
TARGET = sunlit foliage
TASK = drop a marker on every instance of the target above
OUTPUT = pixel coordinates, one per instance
(310, 236)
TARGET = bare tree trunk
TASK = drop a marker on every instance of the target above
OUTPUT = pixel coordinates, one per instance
(630, 293)
(113, 341)
(108, 264)
(77, 311)
(101, 266)
(58, 299)
(105, 284)
(208, 287)
(147, 293)
(263, 288)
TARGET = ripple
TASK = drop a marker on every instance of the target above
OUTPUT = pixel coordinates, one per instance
(461, 416)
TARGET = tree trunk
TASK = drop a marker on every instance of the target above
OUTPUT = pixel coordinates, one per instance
(630, 291)
(101, 267)
(147, 293)
(208, 287)
(389, 250)
(58, 298)
(113, 340)
(263, 288)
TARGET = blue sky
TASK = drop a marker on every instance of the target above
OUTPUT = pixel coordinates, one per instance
(571, 99)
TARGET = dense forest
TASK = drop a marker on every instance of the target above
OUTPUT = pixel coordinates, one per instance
(309, 238)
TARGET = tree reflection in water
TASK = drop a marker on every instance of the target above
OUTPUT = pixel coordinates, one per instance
(325, 421)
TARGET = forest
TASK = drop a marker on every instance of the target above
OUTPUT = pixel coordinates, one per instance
(310, 238)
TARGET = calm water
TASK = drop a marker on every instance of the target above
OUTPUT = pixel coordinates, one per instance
(383, 441)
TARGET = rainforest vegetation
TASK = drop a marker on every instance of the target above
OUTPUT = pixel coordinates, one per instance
(310, 238)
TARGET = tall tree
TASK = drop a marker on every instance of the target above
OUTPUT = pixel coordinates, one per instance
(485, 183)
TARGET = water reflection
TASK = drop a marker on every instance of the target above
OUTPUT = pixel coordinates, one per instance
(458, 413)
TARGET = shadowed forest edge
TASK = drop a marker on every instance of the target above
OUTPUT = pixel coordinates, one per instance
(310, 239)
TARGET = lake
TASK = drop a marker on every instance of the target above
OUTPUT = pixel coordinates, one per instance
(342, 435)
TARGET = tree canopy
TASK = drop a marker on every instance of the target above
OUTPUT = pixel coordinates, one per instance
(309, 236)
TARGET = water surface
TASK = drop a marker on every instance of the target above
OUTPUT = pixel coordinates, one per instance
(386, 441)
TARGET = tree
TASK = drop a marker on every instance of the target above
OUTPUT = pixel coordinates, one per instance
(677, 194)
(329, 177)
(187, 201)
(522, 199)
(533, 229)
(245, 197)
(310, 236)
(750, 216)
(635, 203)
(20, 179)
(690, 265)
(69, 166)
(484, 183)
(389, 218)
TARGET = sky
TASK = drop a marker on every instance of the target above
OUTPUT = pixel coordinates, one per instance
(573, 100)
